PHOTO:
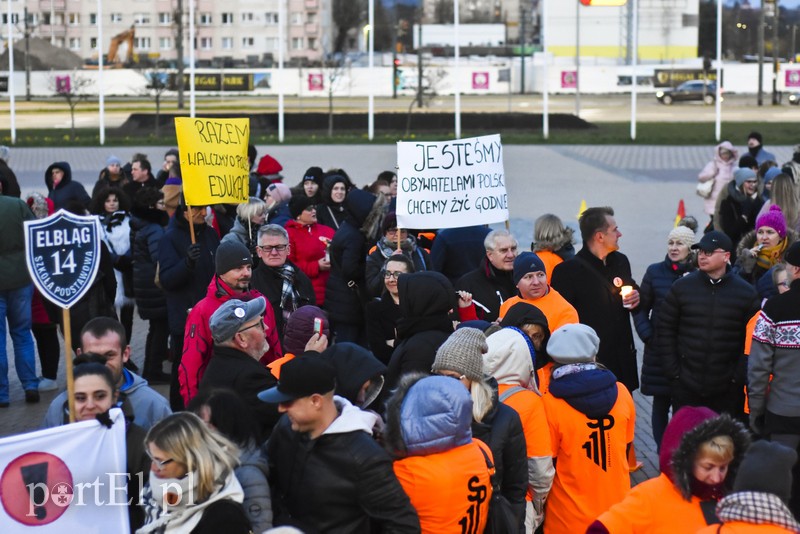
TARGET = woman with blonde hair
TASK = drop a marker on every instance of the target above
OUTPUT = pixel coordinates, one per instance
(497, 425)
(249, 218)
(552, 242)
(192, 486)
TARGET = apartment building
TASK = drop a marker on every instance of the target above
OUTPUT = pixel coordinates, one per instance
(225, 31)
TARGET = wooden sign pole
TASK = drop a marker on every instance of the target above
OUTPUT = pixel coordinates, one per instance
(68, 362)
(191, 222)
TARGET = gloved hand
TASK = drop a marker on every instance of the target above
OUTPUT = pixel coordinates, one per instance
(192, 254)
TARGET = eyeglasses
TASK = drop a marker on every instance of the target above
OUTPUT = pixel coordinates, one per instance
(268, 249)
(392, 274)
(785, 283)
(259, 323)
(159, 463)
(702, 252)
(393, 231)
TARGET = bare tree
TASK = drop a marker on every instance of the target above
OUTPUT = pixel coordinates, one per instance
(347, 15)
(426, 92)
(336, 66)
(71, 88)
(156, 85)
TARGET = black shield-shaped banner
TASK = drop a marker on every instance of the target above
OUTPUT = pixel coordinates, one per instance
(63, 254)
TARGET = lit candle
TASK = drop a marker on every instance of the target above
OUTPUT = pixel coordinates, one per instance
(625, 291)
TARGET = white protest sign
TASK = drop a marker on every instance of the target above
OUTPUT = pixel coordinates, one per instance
(451, 184)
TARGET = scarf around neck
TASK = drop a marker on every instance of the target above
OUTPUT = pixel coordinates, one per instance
(756, 508)
(769, 256)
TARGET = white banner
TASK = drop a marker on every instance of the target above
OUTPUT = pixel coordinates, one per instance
(69, 478)
(450, 184)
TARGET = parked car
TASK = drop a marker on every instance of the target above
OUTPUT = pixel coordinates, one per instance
(794, 98)
(691, 90)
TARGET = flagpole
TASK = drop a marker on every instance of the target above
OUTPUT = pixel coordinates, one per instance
(102, 101)
(11, 100)
(545, 74)
(191, 60)
(371, 45)
(68, 361)
(456, 72)
(281, 22)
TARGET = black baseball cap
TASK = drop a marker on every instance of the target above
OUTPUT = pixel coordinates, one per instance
(714, 240)
(792, 254)
(301, 377)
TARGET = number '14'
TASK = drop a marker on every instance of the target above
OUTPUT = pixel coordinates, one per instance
(68, 263)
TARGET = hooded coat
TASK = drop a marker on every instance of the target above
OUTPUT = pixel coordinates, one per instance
(441, 468)
(720, 171)
(354, 366)
(66, 190)
(521, 314)
(329, 213)
(426, 299)
(342, 481)
(374, 266)
(510, 360)
(747, 267)
(348, 250)
(586, 401)
(665, 504)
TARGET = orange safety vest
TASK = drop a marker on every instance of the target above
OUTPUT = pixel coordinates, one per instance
(449, 490)
(555, 307)
(591, 462)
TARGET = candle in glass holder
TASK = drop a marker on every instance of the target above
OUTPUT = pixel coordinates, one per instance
(624, 291)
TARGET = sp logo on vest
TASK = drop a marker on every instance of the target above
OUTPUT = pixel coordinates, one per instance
(62, 252)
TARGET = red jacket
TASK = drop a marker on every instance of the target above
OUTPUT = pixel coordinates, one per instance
(198, 344)
(306, 251)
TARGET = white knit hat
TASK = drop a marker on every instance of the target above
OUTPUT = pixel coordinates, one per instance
(683, 234)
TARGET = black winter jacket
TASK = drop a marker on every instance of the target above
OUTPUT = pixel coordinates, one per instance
(490, 287)
(657, 281)
(338, 482)
(425, 300)
(381, 321)
(373, 271)
(589, 285)
(701, 330)
(231, 368)
(66, 190)
(147, 229)
(269, 283)
(501, 430)
(348, 251)
(185, 284)
(738, 213)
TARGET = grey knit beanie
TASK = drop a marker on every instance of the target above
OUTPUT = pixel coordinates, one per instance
(462, 352)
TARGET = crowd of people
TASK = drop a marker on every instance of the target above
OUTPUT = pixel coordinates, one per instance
(331, 372)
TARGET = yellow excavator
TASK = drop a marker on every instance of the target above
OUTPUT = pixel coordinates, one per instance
(112, 61)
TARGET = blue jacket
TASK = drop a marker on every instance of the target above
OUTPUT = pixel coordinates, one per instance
(457, 251)
(657, 280)
(183, 285)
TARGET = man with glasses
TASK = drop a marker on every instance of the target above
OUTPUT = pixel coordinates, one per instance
(492, 283)
(701, 330)
(240, 339)
(284, 285)
(231, 281)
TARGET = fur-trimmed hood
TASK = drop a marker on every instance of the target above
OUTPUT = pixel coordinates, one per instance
(683, 458)
(427, 415)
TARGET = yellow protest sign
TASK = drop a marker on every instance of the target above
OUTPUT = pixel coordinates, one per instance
(214, 165)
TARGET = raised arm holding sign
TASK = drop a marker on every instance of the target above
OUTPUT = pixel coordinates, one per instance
(451, 184)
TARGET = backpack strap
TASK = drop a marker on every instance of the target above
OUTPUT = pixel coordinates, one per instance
(509, 392)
